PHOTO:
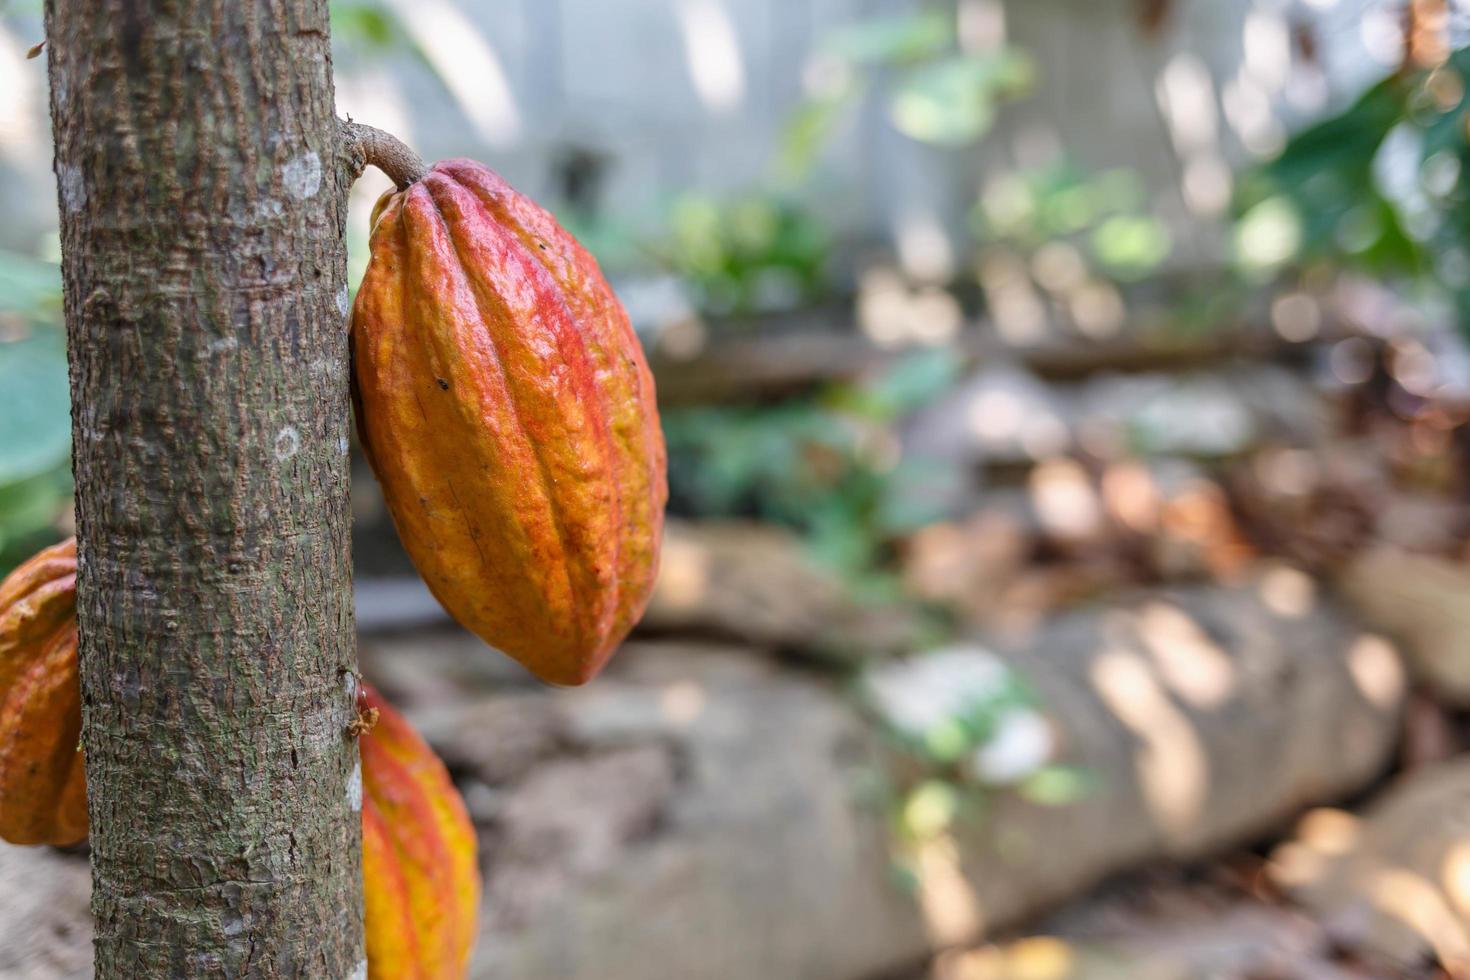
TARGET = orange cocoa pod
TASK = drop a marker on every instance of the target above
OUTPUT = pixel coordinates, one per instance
(43, 793)
(506, 407)
(421, 880)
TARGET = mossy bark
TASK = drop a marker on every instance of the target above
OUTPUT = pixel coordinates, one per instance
(202, 190)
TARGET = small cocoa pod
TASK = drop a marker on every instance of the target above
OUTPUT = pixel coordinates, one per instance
(421, 880)
(506, 407)
(43, 794)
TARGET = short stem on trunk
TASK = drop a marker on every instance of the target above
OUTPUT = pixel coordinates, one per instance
(366, 145)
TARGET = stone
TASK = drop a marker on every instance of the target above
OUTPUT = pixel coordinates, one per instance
(1395, 881)
(45, 914)
(735, 837)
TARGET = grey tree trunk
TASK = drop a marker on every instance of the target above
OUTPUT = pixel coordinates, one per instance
(202, 203)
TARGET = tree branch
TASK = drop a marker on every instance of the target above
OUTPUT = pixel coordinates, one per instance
(366, 145)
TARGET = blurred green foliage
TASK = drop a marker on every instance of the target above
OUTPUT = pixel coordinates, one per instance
(952, 102)
(753, 253)
(35, 427)
(765, 250)
(1336, 191)
(934, 90)
(371, 29)
(827, 465)
(955, 736)
(1105, 214)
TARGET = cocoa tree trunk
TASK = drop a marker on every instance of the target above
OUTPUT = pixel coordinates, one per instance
(202, 208)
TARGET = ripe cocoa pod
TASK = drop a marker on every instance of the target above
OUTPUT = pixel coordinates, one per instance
(421, 880)
(506, 407)
(43, 794)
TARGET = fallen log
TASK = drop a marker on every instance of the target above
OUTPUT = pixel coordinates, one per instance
(1191, 719)
(756, 584)
(1423, 601)
(745, 366)
(705, 811)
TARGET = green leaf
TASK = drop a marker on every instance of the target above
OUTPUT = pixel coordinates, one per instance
(929, 809)
(35, 426)
(1445, 128)
(30, 288)
(1058, 785)
(753, 252)
(894, 40)
(1326, 174)
(912, 382)
(367, 25)
(953, 102)
(32, 505)
(1131, 245)
(1344, 144)
(914, 493)
(374, 29)
(807, 130)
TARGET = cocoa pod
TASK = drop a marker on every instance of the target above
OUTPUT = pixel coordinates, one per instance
(506, 407)
(421, 880)
(43, 795)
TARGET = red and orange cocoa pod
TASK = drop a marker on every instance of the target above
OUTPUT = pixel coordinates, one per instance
(421, 880)
(43, 794)
(506, 407)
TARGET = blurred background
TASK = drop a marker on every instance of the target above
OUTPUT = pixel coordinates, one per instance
(1067, 406)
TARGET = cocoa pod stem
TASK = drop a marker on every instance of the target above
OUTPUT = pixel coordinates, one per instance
(367, 145)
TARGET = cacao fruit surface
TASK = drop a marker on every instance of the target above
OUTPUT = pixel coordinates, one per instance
(506, 407)
(421, 880)
(43, 794)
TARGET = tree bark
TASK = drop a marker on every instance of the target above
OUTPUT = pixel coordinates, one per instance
(202, 190)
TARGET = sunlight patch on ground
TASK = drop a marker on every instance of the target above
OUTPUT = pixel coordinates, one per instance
(951, 909)
(1377, 672)
(683, 574)
(1415, 901)
(1288, 592)
(1173, 771)
(1191, 664)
